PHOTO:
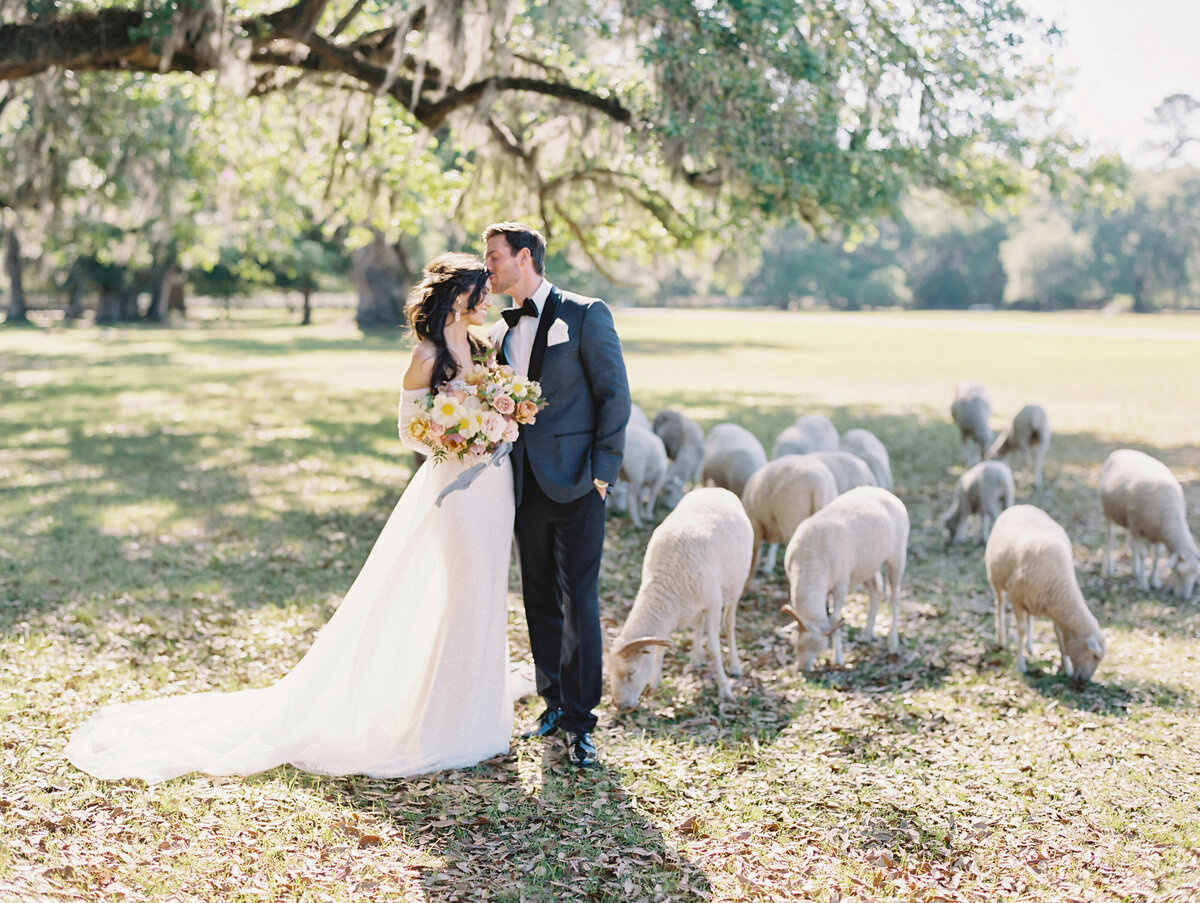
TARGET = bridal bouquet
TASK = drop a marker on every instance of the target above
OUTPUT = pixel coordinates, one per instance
(469, 417)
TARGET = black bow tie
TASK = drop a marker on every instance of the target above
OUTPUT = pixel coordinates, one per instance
(512, 315)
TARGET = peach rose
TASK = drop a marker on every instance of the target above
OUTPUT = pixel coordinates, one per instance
(504, 404)
(526, 412)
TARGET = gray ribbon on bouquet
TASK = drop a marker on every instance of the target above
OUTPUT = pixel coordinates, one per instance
(467, 477)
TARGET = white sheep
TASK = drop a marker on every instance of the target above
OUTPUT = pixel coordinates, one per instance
(985, 489)
(849, 470)
(683, 438)
(1030, 435)
(779, 497)
(731, 455)
(971, 411)
(810, 433)
(1141, 494)
(692, 576)
(618, 493)
(845, 544)
(1029, 561)
(643, 471)
(867, 446)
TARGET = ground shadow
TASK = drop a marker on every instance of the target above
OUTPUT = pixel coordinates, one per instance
(525, 826)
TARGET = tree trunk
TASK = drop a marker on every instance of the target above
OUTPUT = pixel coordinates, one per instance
(1140, 305)
(76, 284)
(160, 307)
(307, 321)
(17, 309)
(108, 308)
(379, 276)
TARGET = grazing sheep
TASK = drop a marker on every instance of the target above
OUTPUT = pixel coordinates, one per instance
(985, 489)
(643, 470)
(812, 432)
(849, 470)
(845, 544)
(867, 446)
(683, 438)
(1029, 434)
(731, 455)
(1141, 494)
(1028, 558)
(637, 417)
(971, 411)
(692, 576)
(779, 496)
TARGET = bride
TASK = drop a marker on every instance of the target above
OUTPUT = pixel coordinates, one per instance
(410, 674)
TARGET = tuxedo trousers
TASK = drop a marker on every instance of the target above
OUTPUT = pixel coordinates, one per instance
(559, 546)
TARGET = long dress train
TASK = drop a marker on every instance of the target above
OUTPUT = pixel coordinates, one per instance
(409, 675)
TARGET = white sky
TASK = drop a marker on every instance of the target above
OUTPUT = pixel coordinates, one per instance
(1128, 56)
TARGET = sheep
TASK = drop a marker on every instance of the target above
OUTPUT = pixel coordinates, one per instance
(779, 496)
(1141, 494)
(1029, 561)
(971, 411)
(1029, 434)
(844, 544)
(731, 455)
(849, 471)
(618, 493)
(643, 470)
(684, 441)
(985, 489)
(692, 576)
(812, 432)
(867, 446)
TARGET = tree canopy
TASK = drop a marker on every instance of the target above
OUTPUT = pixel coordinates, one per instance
(695, 114)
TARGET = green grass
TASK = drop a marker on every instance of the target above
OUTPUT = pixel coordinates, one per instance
(180, 509)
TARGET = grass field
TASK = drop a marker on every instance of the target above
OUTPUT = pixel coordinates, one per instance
(180, 509)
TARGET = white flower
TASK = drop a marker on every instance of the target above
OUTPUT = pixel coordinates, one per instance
(447, 410)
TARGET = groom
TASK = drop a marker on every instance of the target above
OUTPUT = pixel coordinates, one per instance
(563, 464)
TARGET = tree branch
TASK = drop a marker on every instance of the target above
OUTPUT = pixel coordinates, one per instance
(433, 114)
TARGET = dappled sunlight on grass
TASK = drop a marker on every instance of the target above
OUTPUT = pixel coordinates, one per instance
(185, 506)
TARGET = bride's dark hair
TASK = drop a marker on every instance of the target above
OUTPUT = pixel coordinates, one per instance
(432, 299)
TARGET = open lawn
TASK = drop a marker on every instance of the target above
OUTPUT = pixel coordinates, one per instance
(181, 507)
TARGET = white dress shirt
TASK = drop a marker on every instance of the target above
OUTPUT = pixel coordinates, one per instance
(519, 340)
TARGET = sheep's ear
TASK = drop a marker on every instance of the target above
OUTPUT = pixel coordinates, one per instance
(627, 649)
(791, 613)
(1093, 643)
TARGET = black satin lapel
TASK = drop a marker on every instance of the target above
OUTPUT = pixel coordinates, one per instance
(538, 352)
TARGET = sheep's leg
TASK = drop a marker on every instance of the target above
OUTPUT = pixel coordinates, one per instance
(1067, 669)
(697, 657)
(713, 623)
(656, 671)
(1108, 551)
(753, 563)
(1157, 550)
(985, 523)
(772, 555)
(735, 662)
(1037, 465)
(1021, 616)
(839, 602)
(874, 593)
(1001, 629)
(1139, 560)
(895, 575)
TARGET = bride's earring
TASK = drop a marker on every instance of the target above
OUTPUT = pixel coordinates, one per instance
(457, 315)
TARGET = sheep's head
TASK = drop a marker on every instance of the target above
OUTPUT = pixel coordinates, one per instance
(672, 491)
(1085, 651)
(631, 666)
(1184, 571)
(809, 641)
(952, 521)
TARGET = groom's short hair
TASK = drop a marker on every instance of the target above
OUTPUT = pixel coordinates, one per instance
(518, 236)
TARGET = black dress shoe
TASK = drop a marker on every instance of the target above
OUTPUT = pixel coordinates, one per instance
(580, 749)
(547, 723)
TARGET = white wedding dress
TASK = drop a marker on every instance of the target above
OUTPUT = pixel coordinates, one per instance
(410, 675)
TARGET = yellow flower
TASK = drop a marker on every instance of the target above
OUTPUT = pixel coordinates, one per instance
(447, 410)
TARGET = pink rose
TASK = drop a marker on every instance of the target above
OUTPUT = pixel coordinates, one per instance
(435, 430)
(504, 404)
(511, 431)
(526, 411)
